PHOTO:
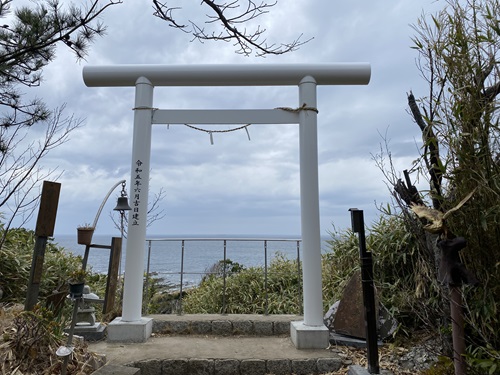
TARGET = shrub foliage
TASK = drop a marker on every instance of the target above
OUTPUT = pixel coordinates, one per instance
(16, 254)
(246, 292)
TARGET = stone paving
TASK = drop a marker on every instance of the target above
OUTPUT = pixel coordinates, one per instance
(223, 325)
(220, 345)
(237, 366)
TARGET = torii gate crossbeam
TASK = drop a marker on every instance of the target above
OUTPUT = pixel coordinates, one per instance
(310, 333)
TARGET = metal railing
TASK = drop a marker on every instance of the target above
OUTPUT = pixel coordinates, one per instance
(224, 243)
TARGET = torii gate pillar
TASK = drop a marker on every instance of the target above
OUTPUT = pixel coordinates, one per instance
(311, 332)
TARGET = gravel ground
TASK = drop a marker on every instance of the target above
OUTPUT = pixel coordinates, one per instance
(397, 360)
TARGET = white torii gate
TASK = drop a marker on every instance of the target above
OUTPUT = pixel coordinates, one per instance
(309, 333)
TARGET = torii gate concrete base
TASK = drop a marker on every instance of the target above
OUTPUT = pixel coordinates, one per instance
(311, 332)
(304, 336)
(136, 331)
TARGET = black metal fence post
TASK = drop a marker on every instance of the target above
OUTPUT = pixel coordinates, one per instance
(358, 226)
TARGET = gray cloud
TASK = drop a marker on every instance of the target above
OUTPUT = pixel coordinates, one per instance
(238, 186)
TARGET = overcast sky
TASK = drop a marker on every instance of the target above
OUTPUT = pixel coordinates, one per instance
(237, 186)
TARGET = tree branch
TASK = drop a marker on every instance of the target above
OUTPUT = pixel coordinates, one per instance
(431, 152)
(491, 92)
(245, 41)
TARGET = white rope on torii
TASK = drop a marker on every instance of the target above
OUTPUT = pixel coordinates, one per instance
(309, 333)
(245, 127)
(211, 131)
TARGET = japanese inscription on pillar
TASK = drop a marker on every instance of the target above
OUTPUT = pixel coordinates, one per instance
(137, 185)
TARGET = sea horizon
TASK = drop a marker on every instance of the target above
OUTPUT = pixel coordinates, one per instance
(196, 235)
(200, 251)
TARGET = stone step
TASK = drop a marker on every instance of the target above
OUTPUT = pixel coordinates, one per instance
(219, 345)
(227, 366)
(117, 370)
(218, 355)
(224, 325)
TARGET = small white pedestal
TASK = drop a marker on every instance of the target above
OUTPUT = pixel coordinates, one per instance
(136, 331)
(309, 337)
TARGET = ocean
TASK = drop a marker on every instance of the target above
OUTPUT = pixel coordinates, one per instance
(200, 253)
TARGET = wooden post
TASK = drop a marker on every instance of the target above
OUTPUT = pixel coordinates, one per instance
(113, 271)
(457, 329)
(85, 257)
(358, 226)
(44, 228)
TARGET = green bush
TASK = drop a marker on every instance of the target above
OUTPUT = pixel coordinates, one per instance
(410, 296)
(15, 264)
(246, 292)
(406, 283)
(16, 254)
(405, 279)
(484, 360)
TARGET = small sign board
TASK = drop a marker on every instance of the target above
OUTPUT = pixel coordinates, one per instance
(47, 212)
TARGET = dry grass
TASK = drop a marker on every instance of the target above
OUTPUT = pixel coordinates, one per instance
(28, 347)
(387, 359)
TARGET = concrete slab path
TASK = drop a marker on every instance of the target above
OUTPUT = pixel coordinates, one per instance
(188, 349)
(234, 347)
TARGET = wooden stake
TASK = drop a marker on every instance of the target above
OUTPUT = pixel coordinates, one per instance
(44, 228)
(457, 326)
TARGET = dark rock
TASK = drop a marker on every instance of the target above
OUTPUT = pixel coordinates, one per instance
(201, 327)
(304, 366)
(180, 327)
(244, 327)
(281, 328)
(150, 367)
(330, 315)
(227, 366)
(350, 317)
(325, 365)
(174, 366)
(346, 317)
(279, 366)
(201, 366)
(117, 370)
(253, 367)
(387, 324)
(421, 357)
(160, 326)
(222, 327)
(263, 328)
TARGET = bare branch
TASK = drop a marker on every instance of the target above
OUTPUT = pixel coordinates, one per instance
(227, 14)
(20, 170)
(163, 12)
(154, 212)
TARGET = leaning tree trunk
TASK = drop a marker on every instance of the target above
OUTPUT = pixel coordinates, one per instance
(406, 194)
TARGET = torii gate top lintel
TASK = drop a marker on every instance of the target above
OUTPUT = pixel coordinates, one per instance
(228, 74)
